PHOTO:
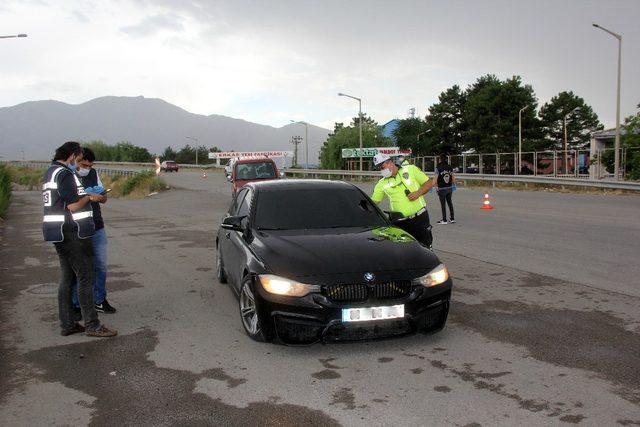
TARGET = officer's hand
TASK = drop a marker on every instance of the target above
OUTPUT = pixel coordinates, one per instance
(96, 197)
(413, 196)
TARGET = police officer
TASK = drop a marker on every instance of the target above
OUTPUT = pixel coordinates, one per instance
(404, 185)
(68, 223)
(446, 181)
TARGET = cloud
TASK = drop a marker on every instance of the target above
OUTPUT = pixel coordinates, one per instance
(155, 24)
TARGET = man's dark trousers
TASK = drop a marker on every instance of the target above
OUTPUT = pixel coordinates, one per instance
(419, 227)
(76, 261)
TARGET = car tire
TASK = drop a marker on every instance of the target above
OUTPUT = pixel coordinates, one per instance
(220, 274)
(249, 313)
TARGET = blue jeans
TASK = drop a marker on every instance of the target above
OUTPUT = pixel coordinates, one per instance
(99, 241)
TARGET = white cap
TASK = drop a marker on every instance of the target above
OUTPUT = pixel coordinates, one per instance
(380, 158)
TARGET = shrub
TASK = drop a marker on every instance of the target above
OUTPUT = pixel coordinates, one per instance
(5, 190)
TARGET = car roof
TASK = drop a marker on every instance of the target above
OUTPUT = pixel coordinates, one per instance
(252, 159)
(299, 184)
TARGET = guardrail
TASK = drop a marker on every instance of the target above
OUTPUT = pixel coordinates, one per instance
(575, 182)
(36, 164)
(350, 174)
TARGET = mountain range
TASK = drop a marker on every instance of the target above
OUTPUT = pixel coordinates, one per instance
(32, 130)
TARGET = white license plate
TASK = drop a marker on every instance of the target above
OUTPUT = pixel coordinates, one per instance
(363, 314)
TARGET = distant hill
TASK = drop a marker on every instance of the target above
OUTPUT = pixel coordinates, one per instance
(38, 127)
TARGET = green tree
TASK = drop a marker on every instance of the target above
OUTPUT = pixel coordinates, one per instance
(348, 137)
(168, 154)
(581, 121)
(406, 136)
(121, 152)
(445, 123)
(491, 114)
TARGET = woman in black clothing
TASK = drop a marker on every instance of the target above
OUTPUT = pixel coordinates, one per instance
(445, 189)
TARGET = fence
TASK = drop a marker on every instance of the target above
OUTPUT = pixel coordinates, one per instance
(559, 164)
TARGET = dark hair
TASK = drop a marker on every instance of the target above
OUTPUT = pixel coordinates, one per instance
(67, 149)
(87, 154)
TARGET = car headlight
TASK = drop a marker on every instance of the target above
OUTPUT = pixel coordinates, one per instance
(437, 276)
(280, 286)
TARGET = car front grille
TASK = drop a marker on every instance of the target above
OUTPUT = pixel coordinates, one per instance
(362, 292)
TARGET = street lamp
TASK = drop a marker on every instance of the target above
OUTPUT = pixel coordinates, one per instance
(359, 121)
(306, 142)
(422, 133)
(14, 36)
(196, 141)
(520, 139)
(617, 145)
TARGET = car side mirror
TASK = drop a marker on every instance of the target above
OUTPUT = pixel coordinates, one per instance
(233, 223)
(394, 216)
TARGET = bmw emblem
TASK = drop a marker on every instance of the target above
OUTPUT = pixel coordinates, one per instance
(369, 277)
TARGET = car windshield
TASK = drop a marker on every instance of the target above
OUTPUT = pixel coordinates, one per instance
(315, 208)
(257, 170)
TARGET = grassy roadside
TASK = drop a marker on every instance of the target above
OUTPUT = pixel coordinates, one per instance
(133, 187)
(5, 190)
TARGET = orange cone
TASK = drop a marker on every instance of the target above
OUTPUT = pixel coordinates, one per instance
(486, 203)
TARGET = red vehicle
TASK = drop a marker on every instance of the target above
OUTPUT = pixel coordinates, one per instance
(245, 170)
(169, 166)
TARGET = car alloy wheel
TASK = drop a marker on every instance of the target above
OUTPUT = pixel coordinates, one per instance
(249, 313)
(220, 274)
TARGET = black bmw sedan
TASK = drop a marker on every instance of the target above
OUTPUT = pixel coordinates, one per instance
(314, 260)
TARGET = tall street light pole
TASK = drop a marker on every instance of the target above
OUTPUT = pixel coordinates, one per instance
(306, 142)
(617, 146)
(359, 121)
(566, 143)
(520, 139)
(14, 36)
(196, 141)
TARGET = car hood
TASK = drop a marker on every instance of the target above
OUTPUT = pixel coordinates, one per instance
(331, 252)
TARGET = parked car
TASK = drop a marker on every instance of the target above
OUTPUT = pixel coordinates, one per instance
(315, 260)
(246, 170)
(169, 166)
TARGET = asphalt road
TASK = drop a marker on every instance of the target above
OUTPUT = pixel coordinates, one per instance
(544, 326)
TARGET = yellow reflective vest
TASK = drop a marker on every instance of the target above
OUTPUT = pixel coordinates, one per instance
(409, 177)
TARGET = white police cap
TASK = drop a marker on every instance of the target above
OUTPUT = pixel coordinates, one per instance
(380, 158)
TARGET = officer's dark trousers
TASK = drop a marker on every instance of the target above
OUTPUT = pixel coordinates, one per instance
(76, 260)
(445, 195)
(419, 227)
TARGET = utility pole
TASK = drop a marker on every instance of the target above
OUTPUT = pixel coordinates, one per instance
(295, 140)
(520, 139)
(196, 141)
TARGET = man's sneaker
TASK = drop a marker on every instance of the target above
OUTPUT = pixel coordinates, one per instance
(75, 329)
(101, 332)
(452, 221)
(77, 314)
(442, 221)
(105, 307)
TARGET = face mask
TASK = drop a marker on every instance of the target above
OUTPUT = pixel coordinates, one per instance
(72, 166)
(386, 173)
(83, 172)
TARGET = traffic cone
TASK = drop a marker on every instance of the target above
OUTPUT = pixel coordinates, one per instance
(486, 203)
(204, 174)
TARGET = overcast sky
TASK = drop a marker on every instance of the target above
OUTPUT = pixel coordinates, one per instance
(272, 61)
